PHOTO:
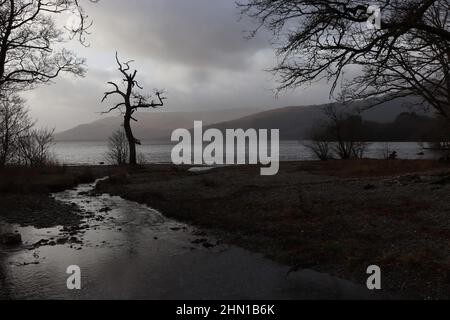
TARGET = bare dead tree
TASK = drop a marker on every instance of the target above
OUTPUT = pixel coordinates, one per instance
(131, 100)
(408, 55)
(15, 122)
(30, 36)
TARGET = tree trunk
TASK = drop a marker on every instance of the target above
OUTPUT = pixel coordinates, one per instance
(131, 139)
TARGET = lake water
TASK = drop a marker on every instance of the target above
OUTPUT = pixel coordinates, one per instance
(93, 152)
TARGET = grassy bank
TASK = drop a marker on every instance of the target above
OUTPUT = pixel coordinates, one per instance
(25, 194)
(336, 217)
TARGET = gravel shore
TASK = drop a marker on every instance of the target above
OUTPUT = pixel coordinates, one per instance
(337, 217)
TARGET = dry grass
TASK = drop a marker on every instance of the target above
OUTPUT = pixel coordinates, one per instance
(24, 194)
(312, 216)
(371, 168)
(48, 179)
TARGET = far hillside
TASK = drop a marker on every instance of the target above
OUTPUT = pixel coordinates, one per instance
(155, 125)
(388, 121)
(295, 122)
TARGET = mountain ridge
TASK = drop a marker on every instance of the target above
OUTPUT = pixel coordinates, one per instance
(294, 122)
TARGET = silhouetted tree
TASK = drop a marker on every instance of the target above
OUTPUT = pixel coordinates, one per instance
(341, 134)
(31, 42)
(35, 148)
(320, 144)
(15, 122)
(118, 149)
(408, 55)
(130, 102)
(346, 132)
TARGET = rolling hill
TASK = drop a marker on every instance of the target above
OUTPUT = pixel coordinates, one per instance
(294, 122)
(150, 125)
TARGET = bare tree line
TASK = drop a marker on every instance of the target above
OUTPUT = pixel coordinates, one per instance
(32, 53)
(20, 142)
(338, 136)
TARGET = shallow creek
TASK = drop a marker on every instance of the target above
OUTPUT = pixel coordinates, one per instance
(129, 251)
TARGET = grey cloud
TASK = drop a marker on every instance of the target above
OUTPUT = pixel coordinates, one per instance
(197, 33)
(195, 49)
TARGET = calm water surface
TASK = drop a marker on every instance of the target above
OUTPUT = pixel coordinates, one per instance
(93, 152)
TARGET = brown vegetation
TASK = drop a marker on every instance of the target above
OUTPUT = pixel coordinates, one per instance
(370, 212)
(25, 194)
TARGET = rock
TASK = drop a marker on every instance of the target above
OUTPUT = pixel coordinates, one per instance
(75, 240)
(40, 243)
(393, 155)
(106, 209)
(369, 187)
(11, 239)
(62, 240)
(208, 245)
(199, 241)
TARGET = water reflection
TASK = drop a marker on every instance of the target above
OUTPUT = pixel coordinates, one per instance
(129, 251)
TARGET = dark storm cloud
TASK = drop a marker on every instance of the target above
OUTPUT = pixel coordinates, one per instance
(195, 49)
(198, 33)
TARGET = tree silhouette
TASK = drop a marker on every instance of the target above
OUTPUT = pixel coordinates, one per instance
(29, 37)
(131, 101)
(408, 54)
(15, 122)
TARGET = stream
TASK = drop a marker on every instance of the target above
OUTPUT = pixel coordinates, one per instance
(129, 251)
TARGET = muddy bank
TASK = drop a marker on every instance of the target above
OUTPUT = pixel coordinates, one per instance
(38, 210)
(129, 251)
(25, 194)
(392, 214)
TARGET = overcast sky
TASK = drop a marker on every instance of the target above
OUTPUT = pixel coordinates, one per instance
(195, 49)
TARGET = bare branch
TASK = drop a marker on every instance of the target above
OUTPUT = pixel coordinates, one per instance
(408, 55)
(29, 37)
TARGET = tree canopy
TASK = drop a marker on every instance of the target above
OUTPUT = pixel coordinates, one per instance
(408, 54)
(31, 50)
